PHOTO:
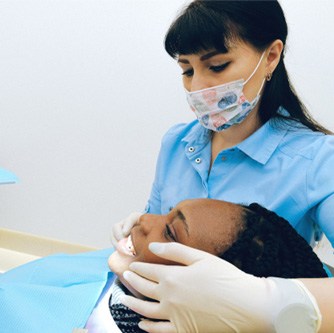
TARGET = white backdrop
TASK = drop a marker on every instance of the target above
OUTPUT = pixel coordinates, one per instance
(86, 93)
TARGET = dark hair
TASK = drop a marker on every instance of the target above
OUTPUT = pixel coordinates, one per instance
(204, 25)
(268, 245)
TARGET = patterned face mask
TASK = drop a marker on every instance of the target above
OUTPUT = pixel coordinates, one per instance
(218, 108)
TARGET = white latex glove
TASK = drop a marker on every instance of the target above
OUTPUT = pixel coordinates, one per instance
(211, 295)
(122, 229)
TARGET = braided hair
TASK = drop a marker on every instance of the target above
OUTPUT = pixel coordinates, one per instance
(268, 245)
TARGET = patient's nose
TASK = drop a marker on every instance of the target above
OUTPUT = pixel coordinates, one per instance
(149, 221)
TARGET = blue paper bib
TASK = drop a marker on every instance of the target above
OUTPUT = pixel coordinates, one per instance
(54, 294)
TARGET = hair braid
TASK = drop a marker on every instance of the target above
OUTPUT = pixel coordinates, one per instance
(269, 246)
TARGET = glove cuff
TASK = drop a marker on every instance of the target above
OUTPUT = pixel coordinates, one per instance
(295, 309)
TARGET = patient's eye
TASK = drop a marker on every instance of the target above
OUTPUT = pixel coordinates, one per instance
(169, 233)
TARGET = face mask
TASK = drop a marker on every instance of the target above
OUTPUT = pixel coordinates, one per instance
(218, 108)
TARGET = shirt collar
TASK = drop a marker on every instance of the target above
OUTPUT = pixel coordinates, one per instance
(198, 135)
(259, 146)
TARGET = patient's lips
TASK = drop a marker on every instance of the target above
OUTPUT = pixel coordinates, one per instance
(125, 246)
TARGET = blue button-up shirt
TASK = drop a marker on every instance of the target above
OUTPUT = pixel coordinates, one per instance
(285, 168)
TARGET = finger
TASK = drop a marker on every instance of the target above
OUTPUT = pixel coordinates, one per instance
(145, 308)
(116, 234)
(178, 252)
(113, 240)
(157, 326)
(143, 286)
(129, 222)
(152, 272)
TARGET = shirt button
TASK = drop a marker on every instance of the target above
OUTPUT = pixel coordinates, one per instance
(224, 158)
(191, 149)
(198, 160)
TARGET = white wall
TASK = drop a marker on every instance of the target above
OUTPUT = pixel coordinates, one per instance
(87, 91)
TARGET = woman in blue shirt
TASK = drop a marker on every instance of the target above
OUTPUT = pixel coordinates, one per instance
(253, 139)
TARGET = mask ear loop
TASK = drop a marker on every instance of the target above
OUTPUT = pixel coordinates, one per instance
(257, 66)
(262, 84)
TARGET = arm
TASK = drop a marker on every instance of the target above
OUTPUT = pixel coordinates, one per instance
(211, 295)
(323, 291)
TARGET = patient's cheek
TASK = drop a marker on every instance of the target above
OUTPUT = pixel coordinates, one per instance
(119, 263)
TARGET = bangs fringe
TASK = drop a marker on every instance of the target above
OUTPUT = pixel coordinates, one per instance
(194, 31)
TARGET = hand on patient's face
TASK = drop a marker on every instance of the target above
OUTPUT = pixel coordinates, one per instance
(205, 224)
(119, 263)
(122, 229)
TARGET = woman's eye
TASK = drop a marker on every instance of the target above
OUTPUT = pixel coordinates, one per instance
(219, 68)
(169, 234)
(188, 73)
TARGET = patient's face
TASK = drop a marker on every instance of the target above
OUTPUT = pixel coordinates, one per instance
(205, 224)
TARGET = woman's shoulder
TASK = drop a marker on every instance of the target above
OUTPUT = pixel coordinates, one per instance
(304, 141)
(182, 130)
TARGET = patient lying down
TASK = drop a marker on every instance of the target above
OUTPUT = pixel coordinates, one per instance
(250, 237)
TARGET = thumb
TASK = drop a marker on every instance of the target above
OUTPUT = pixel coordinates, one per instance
(178, 253)
(130, 222)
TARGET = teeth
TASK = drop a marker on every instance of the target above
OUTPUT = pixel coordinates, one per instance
(130, 246)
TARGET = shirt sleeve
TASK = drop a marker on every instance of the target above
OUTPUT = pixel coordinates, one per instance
(174, 134)
(320, 187)
(153, 205)
(325, 217)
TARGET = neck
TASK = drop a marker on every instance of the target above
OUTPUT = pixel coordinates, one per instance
(235, 134)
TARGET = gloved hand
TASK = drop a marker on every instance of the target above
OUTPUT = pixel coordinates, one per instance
(122, 228)
(211, 295)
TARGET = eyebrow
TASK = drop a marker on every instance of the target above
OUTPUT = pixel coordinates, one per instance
(180, 215)
(203, 57)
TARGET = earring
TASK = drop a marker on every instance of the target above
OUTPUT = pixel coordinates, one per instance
(269, 76)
